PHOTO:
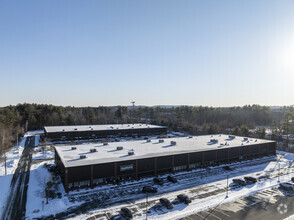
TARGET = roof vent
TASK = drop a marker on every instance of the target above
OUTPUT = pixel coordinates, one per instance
(75, 129)
(214, 140)
(63, 130)
(148, 140)
(105, 143)
(161, 141)
(93, 150)
(173, 143)
(119, 147)
(131, 152)
(73, 148)
(83, 156)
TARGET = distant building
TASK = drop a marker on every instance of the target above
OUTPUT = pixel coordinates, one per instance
(101, 131)
(89, 165)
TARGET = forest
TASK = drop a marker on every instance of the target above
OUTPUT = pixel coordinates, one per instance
(16, 120)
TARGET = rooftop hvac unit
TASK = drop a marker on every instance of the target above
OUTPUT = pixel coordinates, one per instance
(161, 141)
(83, 156)
(173, 143)
(73, 148)
(245, 138)
(232, 136)
(105, 143)
(119, 147)
(63, 130)
(93, 150)
(131, 152)
(214, 140)
(148, 140)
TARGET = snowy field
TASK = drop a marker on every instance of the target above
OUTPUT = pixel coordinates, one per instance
(44, 152)
(36, 200)
(205, 187)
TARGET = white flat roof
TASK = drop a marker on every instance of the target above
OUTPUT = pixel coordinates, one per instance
(143, 149)
(98, 127)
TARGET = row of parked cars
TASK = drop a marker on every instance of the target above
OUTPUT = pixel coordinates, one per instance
(182, 198)
(247, 181)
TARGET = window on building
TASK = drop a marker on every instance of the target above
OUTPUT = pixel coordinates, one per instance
(179, 168)
(126, 167)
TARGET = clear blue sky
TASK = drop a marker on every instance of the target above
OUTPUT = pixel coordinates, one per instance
(198, 52)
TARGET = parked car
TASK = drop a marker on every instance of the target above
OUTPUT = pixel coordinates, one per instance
(292, 179)
(227, 168)
(287, 186)
(165, 202)
(239, 182)
(126, 213)
(158, 181)
(184, 198)
(149, 189)
(117, 217)
(250, 179)
(172, 179)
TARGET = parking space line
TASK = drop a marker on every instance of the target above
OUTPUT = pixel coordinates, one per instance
(211, 214)
(222, 212)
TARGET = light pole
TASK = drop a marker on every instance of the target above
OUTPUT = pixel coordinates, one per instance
(146, 204)
(227, 186)
(279, 173)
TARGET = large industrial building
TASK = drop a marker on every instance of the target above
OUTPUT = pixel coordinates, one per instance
(91, 164)
(101, 131)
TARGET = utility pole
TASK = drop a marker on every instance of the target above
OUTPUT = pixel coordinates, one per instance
(3, 137)
(227, 186)
(146, 204)
(133, 103)
(279, 173)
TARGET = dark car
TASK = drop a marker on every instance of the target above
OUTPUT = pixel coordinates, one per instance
(117, 217)
(172, 179)
(149, 189)
(250, 179)
(126, 213)
(292, 179)
(239, 182)
(158, 181)
(227, 168)
(165, 202)
(287, 186)
(184, 198)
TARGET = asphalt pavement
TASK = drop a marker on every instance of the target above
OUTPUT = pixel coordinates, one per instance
(15, 207)
(270, 204)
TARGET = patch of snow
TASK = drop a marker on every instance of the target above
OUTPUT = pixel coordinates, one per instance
(36, 197)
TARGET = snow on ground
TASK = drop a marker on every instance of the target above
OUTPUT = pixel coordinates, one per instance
(37, 139)
(43, 152)
(12, 158)
(39, 176)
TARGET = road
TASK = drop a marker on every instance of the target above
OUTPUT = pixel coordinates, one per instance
(270, 204)
(15, 207)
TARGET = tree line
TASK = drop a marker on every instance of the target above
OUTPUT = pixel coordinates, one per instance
(193, 120)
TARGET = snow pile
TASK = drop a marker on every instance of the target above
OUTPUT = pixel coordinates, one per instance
(36, 198)
(43, 152)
